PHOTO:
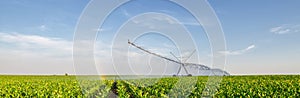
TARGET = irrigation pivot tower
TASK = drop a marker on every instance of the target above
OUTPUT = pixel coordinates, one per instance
(182, 64)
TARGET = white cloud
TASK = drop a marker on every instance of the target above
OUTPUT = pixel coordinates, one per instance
(126, 13)
(238, 52)
(33, 54)
(34, 44)
(155, 20)
(98, 30)
(190, 21)
(249, 47)
(285, 29)
(163, 18)
(43, 27)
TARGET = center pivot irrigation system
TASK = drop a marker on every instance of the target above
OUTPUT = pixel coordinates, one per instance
(186, 66)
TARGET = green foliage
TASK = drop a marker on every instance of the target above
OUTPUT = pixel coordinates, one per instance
(50, 86)
(231, 86)
(260, 86)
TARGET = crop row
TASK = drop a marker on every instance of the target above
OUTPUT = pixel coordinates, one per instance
(194, 87)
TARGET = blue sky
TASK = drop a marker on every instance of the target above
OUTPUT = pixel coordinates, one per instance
(262, 36)
(45, 18)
